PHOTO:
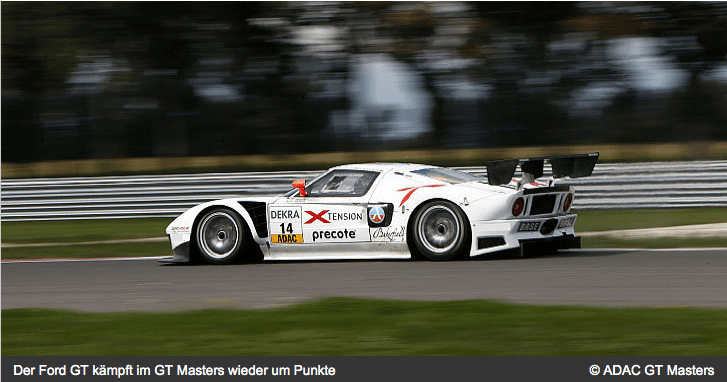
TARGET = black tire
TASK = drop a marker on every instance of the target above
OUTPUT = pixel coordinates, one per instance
(440, 231)
(221, 236)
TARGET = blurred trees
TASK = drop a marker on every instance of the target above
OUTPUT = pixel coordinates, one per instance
(138, 79)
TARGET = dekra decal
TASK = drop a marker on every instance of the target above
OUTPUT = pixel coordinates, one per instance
(284, 214)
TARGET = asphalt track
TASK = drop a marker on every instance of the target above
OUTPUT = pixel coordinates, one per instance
(663, 278)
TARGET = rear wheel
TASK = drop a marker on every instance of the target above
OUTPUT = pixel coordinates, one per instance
(440, 231)
(221, 236)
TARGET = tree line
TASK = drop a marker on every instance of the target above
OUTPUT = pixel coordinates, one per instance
(145, 79)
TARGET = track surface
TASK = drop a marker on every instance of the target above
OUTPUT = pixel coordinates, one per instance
(595, 278)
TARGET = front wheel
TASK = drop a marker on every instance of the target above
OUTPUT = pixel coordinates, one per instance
(440, 231)
(221, 236)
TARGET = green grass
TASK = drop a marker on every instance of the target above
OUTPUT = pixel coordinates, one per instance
(606, 220)
(344, 326)
(77, 231)
(669, 242)
(161, 248)
(85, 231)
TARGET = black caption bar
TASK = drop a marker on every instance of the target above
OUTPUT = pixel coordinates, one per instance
(162, 368)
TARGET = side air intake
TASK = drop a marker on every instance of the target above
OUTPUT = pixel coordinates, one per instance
(257, 211)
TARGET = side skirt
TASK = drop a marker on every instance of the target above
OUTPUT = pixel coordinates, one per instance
(337, 251)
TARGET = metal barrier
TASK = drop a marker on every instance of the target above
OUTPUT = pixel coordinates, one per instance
(632, 185)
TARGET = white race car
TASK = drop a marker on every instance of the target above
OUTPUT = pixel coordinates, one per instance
(390, 211)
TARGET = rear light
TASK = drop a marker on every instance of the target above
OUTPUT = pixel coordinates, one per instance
(518, 207)
(568, 201)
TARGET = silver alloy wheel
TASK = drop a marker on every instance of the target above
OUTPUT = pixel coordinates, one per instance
(218, 235)
(439, 229)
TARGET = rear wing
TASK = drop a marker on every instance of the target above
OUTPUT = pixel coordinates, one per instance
(574, 166)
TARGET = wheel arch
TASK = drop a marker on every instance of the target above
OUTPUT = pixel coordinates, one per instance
(410, 227)
(235, 207)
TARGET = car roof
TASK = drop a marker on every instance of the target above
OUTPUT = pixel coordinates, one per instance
(381, 166)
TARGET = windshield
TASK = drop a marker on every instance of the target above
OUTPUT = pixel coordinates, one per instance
(351, 183)
(343, 183)
(448, 175)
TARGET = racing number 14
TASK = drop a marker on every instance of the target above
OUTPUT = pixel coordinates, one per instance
(288, 219)
(286, 235)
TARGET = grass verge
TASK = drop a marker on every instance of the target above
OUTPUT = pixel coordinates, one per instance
(90, 251)
(78, 231)
(345, 326)
(607, 220)
(669, 242)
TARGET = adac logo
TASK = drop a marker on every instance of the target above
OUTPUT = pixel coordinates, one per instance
(376, 214)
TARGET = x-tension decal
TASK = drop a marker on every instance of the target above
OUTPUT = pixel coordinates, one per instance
(316, 217)
(411, 191)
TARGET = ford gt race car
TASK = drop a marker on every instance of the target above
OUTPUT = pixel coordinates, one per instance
(391, 211)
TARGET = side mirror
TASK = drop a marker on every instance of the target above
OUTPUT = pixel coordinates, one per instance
(300, 185)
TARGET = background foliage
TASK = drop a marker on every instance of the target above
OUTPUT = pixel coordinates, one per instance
(146, 79)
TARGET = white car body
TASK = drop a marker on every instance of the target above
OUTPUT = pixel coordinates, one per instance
(379, 222)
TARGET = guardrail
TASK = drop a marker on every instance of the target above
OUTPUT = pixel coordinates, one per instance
(632, 185)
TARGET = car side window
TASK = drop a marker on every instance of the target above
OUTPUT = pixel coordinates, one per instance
(343, 183)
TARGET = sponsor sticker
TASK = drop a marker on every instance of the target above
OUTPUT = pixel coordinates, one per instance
(285, 227)
(295, 224)
(317, 216)
(284, 213)
(388, 234)
(380, 214)
(326, 216)
(334, 235)
(287, 238)
(376, 214)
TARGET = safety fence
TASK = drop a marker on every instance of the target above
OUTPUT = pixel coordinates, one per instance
(625, 185)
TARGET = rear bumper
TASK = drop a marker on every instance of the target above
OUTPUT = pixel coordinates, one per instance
(528, 235)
